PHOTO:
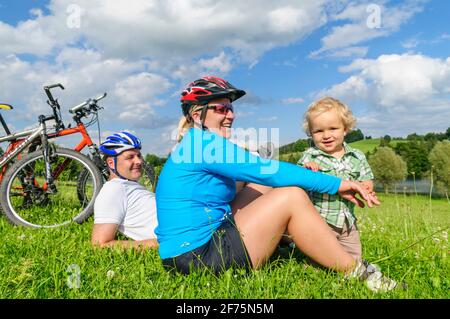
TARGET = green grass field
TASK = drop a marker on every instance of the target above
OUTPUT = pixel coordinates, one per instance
(407, 236)
(368, 145)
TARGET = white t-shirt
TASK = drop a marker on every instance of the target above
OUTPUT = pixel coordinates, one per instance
(129, 205)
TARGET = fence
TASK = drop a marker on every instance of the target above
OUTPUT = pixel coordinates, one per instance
(420, 186)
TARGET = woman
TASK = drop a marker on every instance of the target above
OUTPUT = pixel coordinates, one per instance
(196, 227)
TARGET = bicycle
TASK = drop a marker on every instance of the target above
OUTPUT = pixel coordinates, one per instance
(52, 186)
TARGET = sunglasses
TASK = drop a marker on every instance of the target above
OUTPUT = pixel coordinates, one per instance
(221, 108)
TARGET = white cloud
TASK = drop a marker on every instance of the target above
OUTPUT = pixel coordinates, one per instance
(141, 87)
(404, 92)
(410, 43)
(267, 119)
(166, 29)
(185, 71)
(241, 114)
(292, 100)
(361, 28)
(28, 37)
(352, 88)
(143, 116)
(85, 74)
(350, 52)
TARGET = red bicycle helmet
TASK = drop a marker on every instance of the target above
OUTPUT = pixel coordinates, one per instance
(208, 88)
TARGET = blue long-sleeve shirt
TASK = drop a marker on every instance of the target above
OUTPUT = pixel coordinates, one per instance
(198, 182)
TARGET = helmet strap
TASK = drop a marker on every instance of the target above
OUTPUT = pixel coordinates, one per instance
(115, 171)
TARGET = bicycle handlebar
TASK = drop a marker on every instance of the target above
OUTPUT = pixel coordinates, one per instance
(49, 94)
(88, 102)
(51, 86)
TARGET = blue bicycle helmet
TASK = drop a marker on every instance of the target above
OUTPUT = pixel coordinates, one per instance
(116, 144)
(119, 142)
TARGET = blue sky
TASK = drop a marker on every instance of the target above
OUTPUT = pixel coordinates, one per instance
(388, 60)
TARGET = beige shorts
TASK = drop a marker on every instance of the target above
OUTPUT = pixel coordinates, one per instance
(349, 239)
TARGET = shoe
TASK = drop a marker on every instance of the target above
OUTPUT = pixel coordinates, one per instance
(373, 277)
(287, 241)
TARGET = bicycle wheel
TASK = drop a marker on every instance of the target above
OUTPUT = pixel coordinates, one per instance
(27, 201)
(147, 179)
(83, 182)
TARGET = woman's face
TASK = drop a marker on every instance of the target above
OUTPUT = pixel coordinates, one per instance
(219, 117)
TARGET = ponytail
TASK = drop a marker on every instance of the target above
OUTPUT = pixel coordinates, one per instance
(183, 126)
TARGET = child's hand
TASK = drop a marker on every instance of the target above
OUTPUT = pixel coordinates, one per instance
(368, 186)
(312, 166)
(349, 189)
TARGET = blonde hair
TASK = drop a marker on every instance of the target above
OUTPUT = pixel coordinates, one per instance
(327, 104)
(185, 124)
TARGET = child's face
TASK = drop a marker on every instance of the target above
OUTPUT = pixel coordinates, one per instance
(327, 132)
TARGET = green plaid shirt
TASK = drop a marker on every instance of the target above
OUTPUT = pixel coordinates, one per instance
(352, 166)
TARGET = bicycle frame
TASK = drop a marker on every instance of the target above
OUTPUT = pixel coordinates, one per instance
(17, 145)
(19, 141)
(85, 141)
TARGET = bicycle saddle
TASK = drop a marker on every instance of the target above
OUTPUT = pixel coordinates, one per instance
(5, 106)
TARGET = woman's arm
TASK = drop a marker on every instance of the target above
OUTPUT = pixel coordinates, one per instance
(240, 165)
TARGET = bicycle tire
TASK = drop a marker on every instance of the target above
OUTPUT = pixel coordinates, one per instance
(147, 179)
(81, 185)
(20, 207)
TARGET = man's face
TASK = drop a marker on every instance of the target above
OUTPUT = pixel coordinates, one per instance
(129, 164)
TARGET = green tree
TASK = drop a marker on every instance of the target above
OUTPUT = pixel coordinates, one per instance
(154, 160)
(301, 145)
(354, 135)
(414, 137)
(415, 153)
(387, 167)
(291, 158)
(440, 161)
(448, 133)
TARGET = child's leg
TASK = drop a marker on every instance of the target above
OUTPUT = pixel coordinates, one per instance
(349, 240)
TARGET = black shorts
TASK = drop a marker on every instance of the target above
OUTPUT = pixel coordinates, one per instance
(224, 250)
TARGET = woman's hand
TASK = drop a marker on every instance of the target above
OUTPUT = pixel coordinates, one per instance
(349, 189)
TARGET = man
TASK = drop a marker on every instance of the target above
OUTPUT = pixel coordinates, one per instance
(123, 204)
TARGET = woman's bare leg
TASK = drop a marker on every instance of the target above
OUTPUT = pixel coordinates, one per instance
(263, 222)
(247, 195)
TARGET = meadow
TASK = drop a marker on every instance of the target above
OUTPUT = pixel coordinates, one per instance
(407, 236)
